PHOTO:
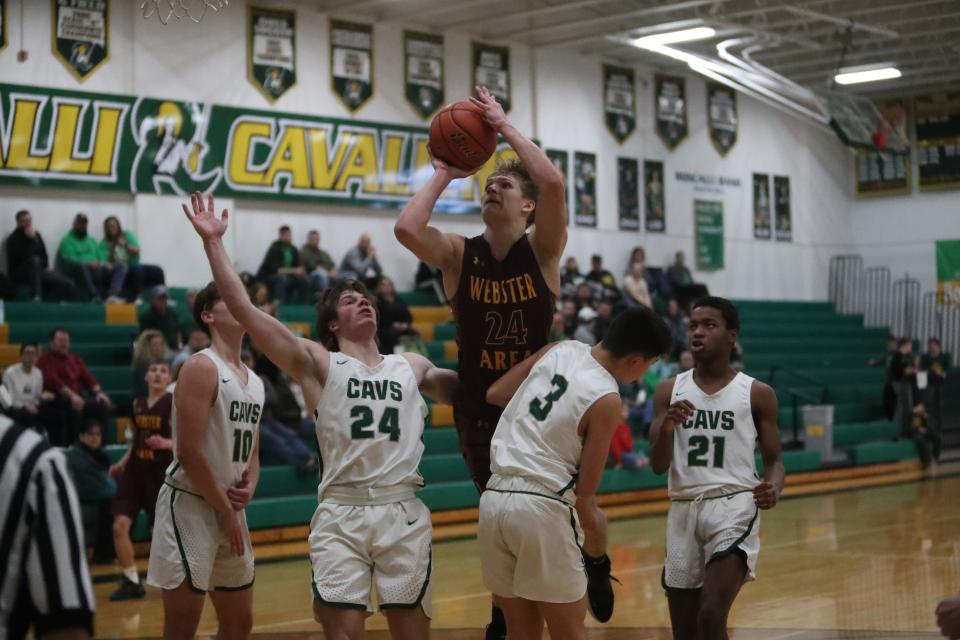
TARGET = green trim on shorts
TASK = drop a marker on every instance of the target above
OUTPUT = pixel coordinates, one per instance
(337, 605)
(183, 554)
(533, 493)
(726, 495)
(195, 495)
(423, 589)
(240, 588)
(736, 545)
(569, 486)
(573, 525)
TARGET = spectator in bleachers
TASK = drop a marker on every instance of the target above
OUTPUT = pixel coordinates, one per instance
(260, 296)
(80, 256)
(886, 361)
(568, 309)
(603, 320)
(677, 321)
(601, 276)
(570, 275)
(122, 246)
(622, 454)
(681, 282)
(161, 316)
(187, 323)
(89, 468)
(317, 263)
(936, 364)
(685, 361)
(585, 295)
(635, 289)
(393, 316)
(24, 382)
(77, 393)
(430, 279)
(903, 372)
(282, 271)
(151, 346)
(558, 328)
(585, 323)
(360, 263)
(197, 341)
(28, 263)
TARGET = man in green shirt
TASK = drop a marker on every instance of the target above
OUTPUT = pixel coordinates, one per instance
(81, 258)
(317, 263)
(282, 271)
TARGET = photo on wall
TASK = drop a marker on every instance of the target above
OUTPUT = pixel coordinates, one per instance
(781, 199)
(561, 160)
(585, 187)
(761, 206)
(628, 194)
(271, 51)
(654, 199)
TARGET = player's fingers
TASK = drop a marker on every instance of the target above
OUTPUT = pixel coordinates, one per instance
(186, 211)
(197, 204)
(210, 204)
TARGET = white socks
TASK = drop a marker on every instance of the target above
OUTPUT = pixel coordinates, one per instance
(132, 575)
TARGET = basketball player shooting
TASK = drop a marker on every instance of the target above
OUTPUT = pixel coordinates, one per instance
(707, 423)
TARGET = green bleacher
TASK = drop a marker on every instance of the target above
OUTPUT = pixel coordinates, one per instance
(810, 354)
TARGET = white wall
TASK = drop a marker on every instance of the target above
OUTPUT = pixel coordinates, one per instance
(207, 62)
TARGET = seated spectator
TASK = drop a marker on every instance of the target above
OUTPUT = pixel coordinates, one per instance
(603, 320)
(568, 309)
(430, 279)
(677, 321)
(570, 275)
(681, 282)
(635, 289)
(187, 323)
(622, 455)
(197, 342)
(89, 467)
(151, 347)
(28, 263)
(282, 272)
(685, 361)
(601, 276)
(557, 328)
(122, 246)
(260, 296)
(77, 394)
(394, 317)
(161, 316)
(360, 263)
(80, 258)
(24, 382)
(585, 326)
(585, 295)
(935, 364)
(317, 264)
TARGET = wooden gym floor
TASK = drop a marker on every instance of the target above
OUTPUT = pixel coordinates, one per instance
(865, 563)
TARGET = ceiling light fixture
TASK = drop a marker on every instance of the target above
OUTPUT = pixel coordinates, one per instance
(872, 73)
(674, 37)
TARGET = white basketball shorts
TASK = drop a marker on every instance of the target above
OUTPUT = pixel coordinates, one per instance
(702, 530)
(189, 545)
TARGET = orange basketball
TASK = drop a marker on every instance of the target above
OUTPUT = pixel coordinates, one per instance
(461, 137)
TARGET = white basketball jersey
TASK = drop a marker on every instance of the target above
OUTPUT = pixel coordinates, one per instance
(231, 428)
(370, 424)
(714, 449)
(537, 437)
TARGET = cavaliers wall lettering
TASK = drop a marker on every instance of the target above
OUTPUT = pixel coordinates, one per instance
(58, 138)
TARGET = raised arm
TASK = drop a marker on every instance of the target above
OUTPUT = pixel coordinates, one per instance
(666, 418)
(413, 230)
(271, 335)
(766, 410)
(501, 391)
(549, 235)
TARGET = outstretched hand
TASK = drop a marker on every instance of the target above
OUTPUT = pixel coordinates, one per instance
(204, 219)
(492, 110)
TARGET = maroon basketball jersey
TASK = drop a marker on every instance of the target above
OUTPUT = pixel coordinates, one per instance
(149, 421)
(503, 312)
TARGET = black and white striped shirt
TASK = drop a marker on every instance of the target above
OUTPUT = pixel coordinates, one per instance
(44, 579)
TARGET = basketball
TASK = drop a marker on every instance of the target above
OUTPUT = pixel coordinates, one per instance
(461, 137)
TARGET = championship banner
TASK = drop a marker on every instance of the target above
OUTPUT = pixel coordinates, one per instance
(708, 234)
(938, 140)
(3, 25)
(761, 206)
(948, 271)
(81, 35)
(423, 72)
(781, 200)
(271, 50)
(880, 172)
(654, 200)
(491, 68)
(585, 187)
(351, 63)
(71, 139)
(722, 116)
(619, 102)
(670, 110)
(561, 160)
(628, 194)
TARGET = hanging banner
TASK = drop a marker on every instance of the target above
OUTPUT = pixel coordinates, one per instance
(351, 63)
(653, 197)
(670, 110)
(722, 116)
(884, 172)
(948, 271)
(619, 102)
(491, 68)
(628, 194)
(81, 35)
(561, 160)
(761, 206)
(3, 25)
(271, 50)
(938, 140)
(781, 200)
(71, 139)
(423, 72)
(585, 187)
(708, 234)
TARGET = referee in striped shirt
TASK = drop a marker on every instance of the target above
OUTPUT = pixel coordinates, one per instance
(44, 580)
